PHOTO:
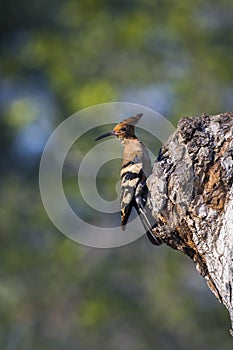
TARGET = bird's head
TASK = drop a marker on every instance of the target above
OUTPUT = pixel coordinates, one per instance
(124, 129)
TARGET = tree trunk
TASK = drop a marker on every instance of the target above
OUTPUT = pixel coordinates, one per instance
(191, 197)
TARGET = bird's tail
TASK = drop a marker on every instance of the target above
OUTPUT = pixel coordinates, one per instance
(148, 223)
(145, 214)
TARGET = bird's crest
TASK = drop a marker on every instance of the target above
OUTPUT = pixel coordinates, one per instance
(132, 120)
(124, 129)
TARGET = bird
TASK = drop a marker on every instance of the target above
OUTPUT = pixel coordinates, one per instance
(135, 169)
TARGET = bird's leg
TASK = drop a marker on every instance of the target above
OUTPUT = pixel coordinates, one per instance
(141, 193)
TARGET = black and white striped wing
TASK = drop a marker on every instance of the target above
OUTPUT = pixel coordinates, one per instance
(130, 177)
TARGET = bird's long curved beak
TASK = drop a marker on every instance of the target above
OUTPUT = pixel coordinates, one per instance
(110, 133)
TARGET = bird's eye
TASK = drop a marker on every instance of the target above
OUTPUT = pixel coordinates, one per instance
(123, 129)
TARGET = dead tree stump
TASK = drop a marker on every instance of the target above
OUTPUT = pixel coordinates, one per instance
(191, 197)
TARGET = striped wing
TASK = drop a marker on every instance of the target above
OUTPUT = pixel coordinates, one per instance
(131, 175)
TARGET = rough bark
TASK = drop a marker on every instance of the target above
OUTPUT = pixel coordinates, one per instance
(191, 197)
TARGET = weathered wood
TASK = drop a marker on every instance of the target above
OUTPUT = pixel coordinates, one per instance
(191, 197)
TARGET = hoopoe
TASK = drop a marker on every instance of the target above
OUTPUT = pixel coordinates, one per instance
(135, 169)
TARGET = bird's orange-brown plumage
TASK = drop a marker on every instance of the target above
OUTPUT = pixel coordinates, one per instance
(135, 169)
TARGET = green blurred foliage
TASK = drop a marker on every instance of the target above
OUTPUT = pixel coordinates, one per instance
(56, 58)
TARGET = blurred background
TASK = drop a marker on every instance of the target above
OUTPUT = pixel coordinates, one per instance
(58, 57)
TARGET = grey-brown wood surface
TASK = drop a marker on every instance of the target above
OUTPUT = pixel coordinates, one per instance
(191, 197)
